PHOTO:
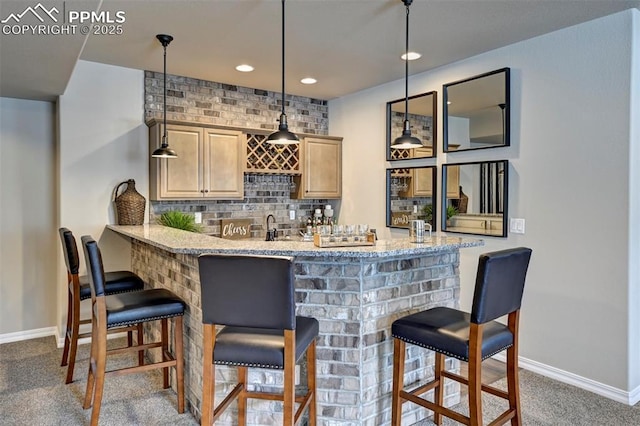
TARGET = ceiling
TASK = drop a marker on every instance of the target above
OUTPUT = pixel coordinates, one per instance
(347, 45)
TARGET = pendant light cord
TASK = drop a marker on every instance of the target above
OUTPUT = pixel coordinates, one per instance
(282, 56)
(164, 136)
(406, 67)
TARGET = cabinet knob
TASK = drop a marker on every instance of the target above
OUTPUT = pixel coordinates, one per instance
(206, 190)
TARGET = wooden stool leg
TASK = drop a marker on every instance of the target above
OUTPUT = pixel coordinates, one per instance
(75, 331)
(208, 374)
(101, 363)
(289, 377)
(242, 396)
(67, 334)
(140, 341)
(438, 396)
(164, 339)
(91, 376)
(311, 382)
(513, 382)
(398, 381)
(475, 375)
(179, 355)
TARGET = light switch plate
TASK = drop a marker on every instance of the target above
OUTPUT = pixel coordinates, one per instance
(197, 217)
(516, 225)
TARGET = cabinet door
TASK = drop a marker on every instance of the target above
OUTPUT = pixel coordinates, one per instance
(224, 166)
(322, 173)
(422, 182)
(181, 177)
(453, 182)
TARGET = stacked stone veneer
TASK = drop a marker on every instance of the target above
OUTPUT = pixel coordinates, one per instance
(355, 301)
(191, 100)
(201, 101)
(269, 196)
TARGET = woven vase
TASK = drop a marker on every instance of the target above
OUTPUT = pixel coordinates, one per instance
(130, 204)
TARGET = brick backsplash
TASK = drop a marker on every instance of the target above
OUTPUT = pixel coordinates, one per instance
(271, 196)
(200, 101)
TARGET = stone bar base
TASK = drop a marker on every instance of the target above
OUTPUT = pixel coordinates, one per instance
(355, 299)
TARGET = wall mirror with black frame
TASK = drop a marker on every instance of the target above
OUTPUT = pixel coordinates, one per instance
(477, 112)
(478, 204)
(411, 195)
(422, 117)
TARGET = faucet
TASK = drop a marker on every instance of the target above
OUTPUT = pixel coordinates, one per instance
(271, 233)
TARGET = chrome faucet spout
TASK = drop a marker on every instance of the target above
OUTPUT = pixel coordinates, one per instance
(271, 233)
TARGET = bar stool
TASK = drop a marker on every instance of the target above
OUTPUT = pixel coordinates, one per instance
(468, 337)
(78, 290)
(252, 297)
(124, 309)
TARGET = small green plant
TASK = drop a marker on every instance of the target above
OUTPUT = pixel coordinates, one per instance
(179, 220)
(451, 211)
(427, 211)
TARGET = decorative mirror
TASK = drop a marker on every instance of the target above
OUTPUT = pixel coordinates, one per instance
(474, 199)
(422, 117)
(411, 194)
(476, 112)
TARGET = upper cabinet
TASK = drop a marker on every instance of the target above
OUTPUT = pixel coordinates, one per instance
(477, 112)
(422, 113)
(210, 163)
(321, 168)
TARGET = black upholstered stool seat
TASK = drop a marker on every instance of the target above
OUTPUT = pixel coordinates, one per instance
(259, 347)
(135, 307)
(117, 282)
(446, 330)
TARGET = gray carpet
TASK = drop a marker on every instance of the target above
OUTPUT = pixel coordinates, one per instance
(32, 392)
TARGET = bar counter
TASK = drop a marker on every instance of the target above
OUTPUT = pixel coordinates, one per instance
(354, 292)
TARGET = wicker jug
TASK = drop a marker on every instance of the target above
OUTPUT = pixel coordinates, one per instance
(130, 204)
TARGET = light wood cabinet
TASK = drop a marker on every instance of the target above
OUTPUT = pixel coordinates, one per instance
(321, 168)
(210, 163)
(453, 182)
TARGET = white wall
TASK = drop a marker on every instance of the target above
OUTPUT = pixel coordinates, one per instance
(103, 141)
(569, 178)
(27, 215)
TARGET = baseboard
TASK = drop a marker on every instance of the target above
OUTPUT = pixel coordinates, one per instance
(28, 334)
(624, 397)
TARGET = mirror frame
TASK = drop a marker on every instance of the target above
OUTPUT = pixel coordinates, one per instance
(434, 126)
(505, 196)
(434, 196)
(506, 128)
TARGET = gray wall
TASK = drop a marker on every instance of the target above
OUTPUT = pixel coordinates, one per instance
(571, 177)
(27, 216)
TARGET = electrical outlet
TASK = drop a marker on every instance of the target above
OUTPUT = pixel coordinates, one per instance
(516, 225)
(197, 217)
(297, 374)
(415, 208)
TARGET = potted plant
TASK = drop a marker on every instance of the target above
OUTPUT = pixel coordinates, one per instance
(427, 212)
(179, 220)
(451, 211)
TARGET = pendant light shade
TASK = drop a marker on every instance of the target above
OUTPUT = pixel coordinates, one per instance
(164, 151)
(406, 141)
(283, 136)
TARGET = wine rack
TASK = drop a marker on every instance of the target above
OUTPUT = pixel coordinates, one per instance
(263, 157)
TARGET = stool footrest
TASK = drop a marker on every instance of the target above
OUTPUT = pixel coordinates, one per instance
(227, 400)
(463, 380)
(142, 368)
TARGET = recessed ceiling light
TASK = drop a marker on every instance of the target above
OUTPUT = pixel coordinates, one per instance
(412, 56)
(244, 68)
(308, 80)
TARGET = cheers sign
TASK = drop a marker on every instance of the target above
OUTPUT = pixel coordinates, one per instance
(399, 219)
(235, 229)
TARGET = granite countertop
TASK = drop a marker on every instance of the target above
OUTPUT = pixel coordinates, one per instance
(178, 241)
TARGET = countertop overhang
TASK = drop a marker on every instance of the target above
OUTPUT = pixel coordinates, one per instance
(183, 242)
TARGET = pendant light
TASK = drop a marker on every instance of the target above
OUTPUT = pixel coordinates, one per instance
(406, 141)
(164, 151)
(283, 136)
